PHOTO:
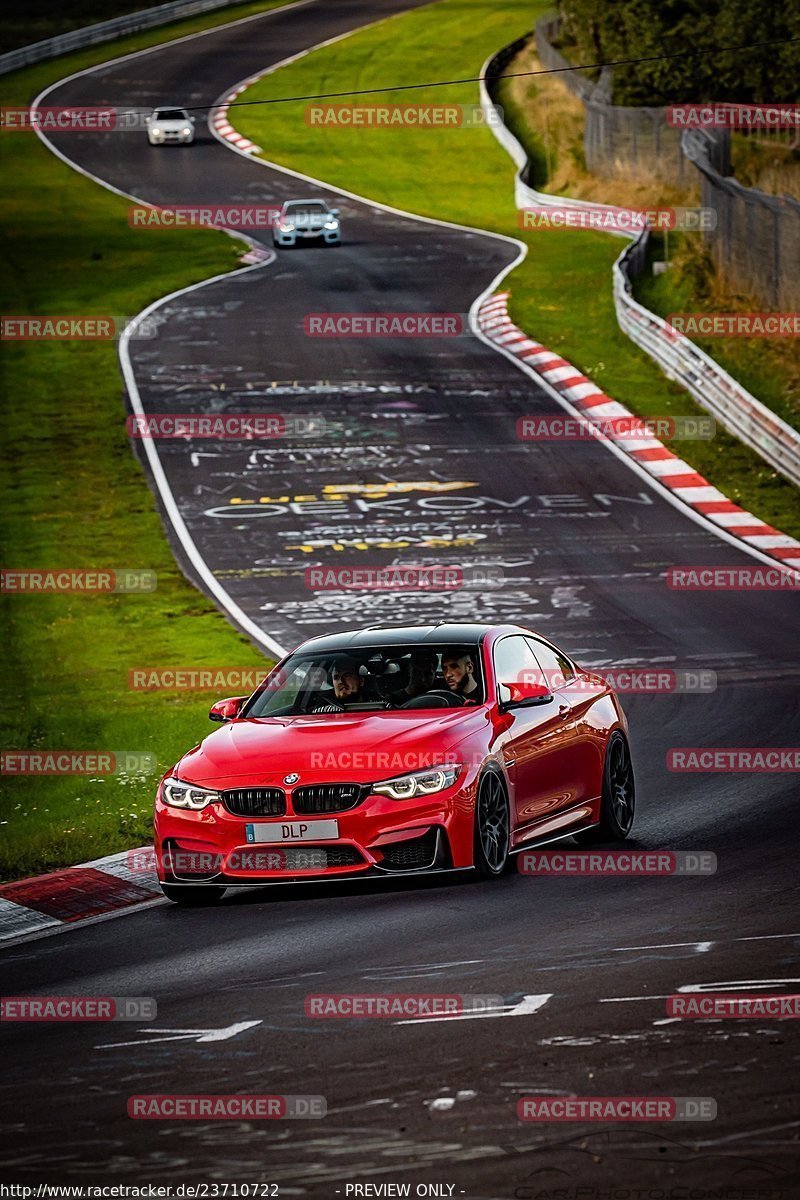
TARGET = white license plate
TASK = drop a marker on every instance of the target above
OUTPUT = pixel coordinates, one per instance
(276, 832)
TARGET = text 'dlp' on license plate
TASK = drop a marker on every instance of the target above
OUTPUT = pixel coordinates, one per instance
(291, 831)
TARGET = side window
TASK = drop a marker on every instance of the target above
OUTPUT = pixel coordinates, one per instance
(515, 662)
(557, 668)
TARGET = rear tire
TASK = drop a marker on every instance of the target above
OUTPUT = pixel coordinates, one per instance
(492, 828)
(618, 798)
(192, 895)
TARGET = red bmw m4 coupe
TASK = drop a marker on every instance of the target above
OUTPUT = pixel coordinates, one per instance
(389, 751)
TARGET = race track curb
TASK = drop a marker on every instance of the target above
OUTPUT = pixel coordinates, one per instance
(80, 893)
(221, 126)
(620, 426)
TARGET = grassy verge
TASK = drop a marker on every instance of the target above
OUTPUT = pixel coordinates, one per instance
(768, 369)
(73, 496)
(549, 122)
(561, 294)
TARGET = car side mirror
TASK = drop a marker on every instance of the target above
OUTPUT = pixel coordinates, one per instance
(525, 694)
(192, 119)
(226, 710)
(334, 212)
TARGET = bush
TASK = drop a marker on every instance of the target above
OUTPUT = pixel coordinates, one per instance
(643, 28)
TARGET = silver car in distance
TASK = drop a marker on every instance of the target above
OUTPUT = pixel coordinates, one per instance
(306, 219)
(172, 125)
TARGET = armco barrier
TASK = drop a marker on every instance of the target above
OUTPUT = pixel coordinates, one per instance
(106, 31)
(713, 388)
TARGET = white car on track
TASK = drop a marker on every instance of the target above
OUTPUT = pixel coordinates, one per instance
(307, 219)
(170, 125)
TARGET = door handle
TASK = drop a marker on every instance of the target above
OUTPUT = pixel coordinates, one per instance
(563, 711)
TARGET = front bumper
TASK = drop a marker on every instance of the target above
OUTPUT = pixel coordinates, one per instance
(378, 837)
(331, 237)
(171, 139)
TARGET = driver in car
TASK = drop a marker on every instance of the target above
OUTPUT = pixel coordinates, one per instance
(458, 670)
(346, 680)
(347, 687)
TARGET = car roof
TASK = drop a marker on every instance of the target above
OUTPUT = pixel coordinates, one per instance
(166, 107)
(455, 633)
(308, 200)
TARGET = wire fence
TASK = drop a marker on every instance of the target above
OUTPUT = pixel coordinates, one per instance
(756, 243)
(736, 409)
(616, 139)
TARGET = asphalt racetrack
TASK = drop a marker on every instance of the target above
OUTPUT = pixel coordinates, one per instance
(582, 965)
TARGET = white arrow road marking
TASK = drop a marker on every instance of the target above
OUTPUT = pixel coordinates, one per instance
(196, 455)
(734, 985)
(739, 985)
(699, 947)
(185, 1035)
(760, 937)
(526, 1006)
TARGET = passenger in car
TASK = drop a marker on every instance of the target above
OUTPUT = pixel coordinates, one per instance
(421, 676)
(458, 668)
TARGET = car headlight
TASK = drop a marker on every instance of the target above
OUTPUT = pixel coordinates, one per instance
(332, 224)
(420, 783)
(287, 227)
(187, 131)
(178, 794)
(157, 130)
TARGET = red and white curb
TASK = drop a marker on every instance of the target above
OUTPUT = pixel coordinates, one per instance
(650, 453)
(222, 126)
(89, 890)
(257, 254)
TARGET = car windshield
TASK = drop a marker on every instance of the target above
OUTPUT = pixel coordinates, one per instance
(299, 207)
(372, 679)
(171, 114)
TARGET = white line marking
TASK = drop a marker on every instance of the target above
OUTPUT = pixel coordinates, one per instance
(183, 1035)
(190, 549)
(748, 1133)
(757, 937)
(626, 999)
(525, 1008)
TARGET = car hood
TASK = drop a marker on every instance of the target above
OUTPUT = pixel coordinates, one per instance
(171, 126)
(309, 220)
(357, 748)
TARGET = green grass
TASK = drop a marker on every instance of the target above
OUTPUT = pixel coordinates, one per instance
(769, 368)
(561, 294)
(73, 496)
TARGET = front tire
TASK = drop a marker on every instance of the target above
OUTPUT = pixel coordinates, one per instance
(492, 828)
(192, 895)
(618, 798)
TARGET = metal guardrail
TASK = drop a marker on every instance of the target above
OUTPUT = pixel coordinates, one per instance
(736, 409)
(106, 31)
